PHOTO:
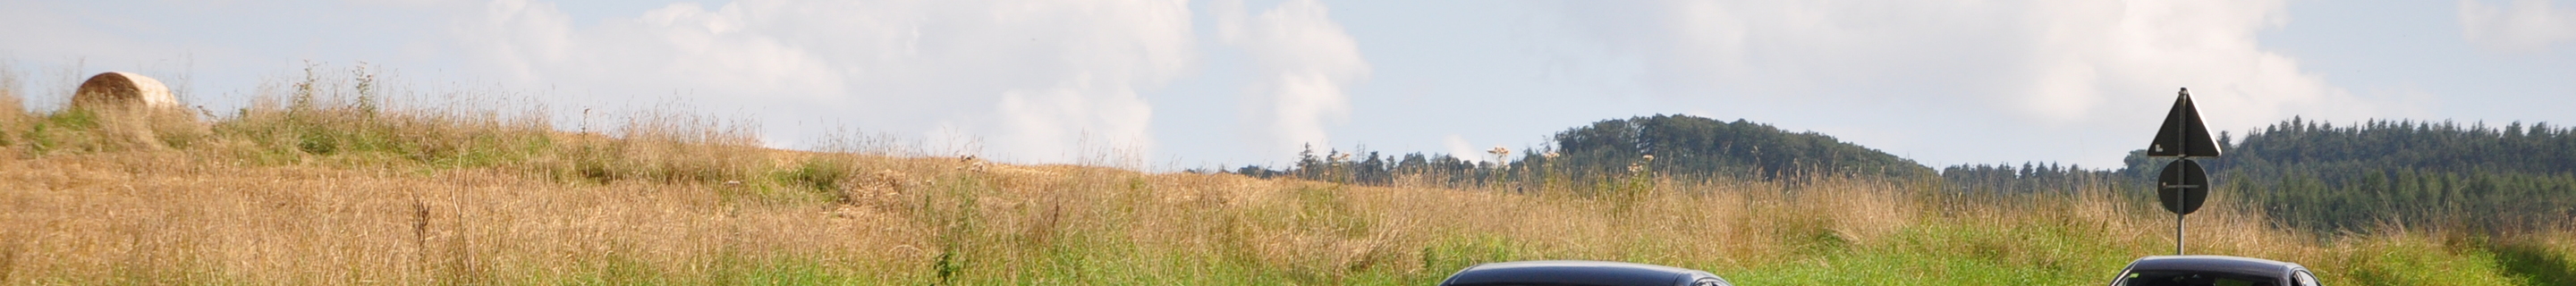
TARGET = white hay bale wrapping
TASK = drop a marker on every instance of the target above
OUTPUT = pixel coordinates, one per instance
(123, 91)
(137, 106)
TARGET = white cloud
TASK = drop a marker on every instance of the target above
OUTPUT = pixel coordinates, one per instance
(2042, 66)
(1063, 121)
(1459, 147)
(2100, 53)
(1034, 77)
(1306, 65)
(2522, 26)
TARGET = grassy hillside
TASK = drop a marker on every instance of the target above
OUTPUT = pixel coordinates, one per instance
(327, 182)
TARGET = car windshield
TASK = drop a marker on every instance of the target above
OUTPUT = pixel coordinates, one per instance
(1541, 284)
(2195, 278)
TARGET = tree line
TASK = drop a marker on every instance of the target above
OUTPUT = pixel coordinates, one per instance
(1667, 146)
(2301, 172)
(2352, 177)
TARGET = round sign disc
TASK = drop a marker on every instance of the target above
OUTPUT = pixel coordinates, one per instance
(2182, 186)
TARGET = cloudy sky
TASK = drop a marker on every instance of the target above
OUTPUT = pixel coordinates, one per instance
(1187, 84)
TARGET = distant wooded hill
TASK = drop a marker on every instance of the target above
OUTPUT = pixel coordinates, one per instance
(1684, 146)
(2305, 173)
(1698, 146)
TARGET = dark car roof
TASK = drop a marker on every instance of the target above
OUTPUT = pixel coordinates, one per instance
(2215, 263)
(1571, 272)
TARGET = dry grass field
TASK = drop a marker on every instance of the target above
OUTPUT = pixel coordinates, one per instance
(324, 182)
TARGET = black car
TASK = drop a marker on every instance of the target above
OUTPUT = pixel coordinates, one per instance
(2213, 270)
(1580, 273)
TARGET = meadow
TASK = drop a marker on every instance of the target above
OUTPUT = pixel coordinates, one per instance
(328, 180)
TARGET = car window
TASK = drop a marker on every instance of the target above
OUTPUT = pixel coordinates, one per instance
(2195, 278)
(2304, 279)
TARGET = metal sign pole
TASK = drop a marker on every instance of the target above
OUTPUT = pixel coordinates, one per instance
(2178, 194)
(2182, 185)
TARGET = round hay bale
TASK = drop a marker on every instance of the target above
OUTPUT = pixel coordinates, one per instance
(123, 91)
(137, 111)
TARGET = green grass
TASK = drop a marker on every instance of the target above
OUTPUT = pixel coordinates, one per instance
(2535, 263)
(2407, 262)
(1953, 254)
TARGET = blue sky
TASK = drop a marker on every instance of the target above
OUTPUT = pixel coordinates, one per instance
(1183, 84)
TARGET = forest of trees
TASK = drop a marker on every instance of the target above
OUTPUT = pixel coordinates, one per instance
(2034, 178)
(1370, 168)
(2304, 173)
(2330, 178)
(1696, 146)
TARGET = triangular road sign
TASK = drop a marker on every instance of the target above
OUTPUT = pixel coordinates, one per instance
(2182, 134)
